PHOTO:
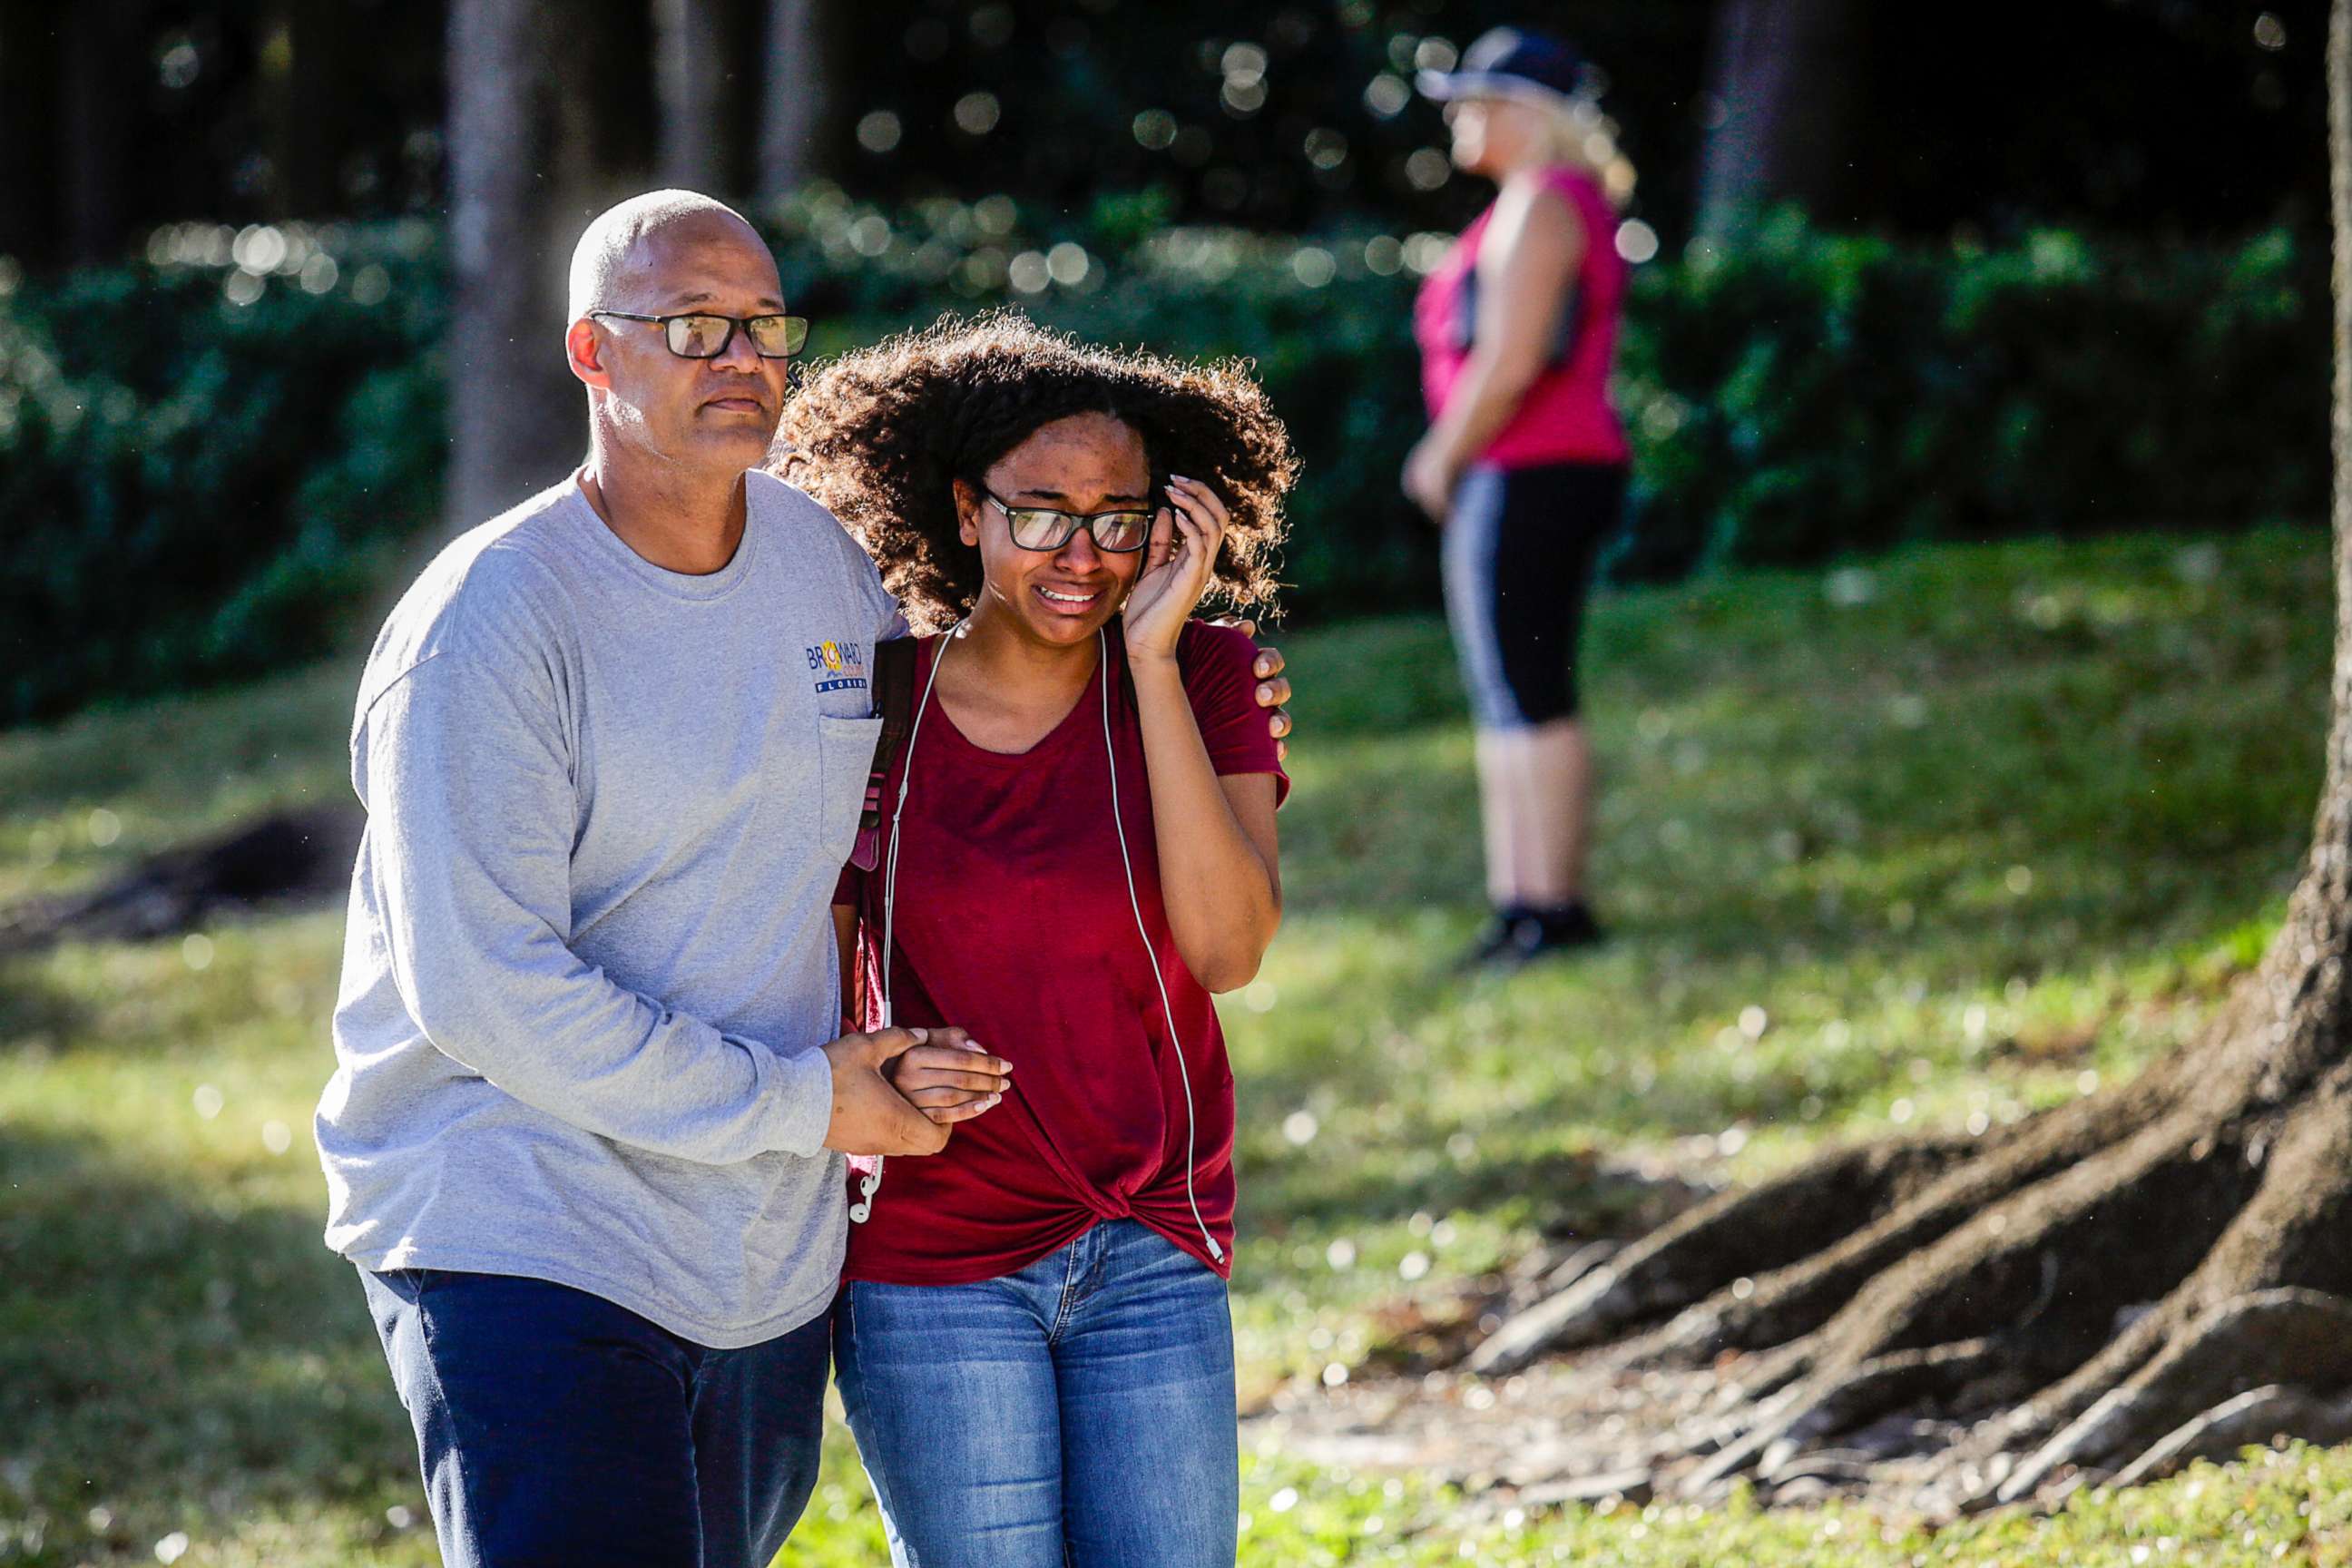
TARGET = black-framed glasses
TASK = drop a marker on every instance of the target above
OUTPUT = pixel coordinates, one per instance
(698, 334)
(1122, 531)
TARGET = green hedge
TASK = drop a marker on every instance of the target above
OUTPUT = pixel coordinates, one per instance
(204, 479)
(1797, 394)
(211, 469)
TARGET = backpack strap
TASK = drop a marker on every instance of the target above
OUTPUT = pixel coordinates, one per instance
(893, 703)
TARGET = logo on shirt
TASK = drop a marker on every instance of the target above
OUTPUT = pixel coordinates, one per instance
(837, 666)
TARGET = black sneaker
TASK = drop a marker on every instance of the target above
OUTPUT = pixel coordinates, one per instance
(1568, 928)
(1506, 933)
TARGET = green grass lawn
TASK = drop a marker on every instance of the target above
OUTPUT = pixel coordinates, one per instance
(1932, 840)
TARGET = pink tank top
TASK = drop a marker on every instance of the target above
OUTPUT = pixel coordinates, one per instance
(1565, 416)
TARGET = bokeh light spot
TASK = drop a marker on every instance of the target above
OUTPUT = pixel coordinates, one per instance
(1636, 241)
(1027, 272)
(976, 114)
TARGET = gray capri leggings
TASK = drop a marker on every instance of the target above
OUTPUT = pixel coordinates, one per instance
(1517, 557)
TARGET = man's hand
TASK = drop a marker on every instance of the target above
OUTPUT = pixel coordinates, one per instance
(869, 1117)
(951, 1077)
(1273, 687)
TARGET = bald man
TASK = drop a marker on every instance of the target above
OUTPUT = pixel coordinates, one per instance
(584, 1140)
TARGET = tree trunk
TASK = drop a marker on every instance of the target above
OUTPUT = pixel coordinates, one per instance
(305, 87)
(2095, 1290)
(517, 203)
(101, 96)
(1780, 77)
(28, 138)
(695, 68)
(793, 97)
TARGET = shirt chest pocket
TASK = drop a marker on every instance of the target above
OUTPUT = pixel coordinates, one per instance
(839, 677)
(844, 758)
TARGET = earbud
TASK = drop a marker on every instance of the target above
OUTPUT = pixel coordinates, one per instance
(1167, 1009)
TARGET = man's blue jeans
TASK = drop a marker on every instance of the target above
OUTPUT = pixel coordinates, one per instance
(558, 1429)
(1079, 1411)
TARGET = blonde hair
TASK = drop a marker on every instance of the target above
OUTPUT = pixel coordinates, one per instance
(1577, 133)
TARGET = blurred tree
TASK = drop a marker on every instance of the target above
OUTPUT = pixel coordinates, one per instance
(795, 92)
(2156, 117)
(520, 175)
(2199, 120)
(306, 73)
(699, 53)
(27, 117)
(1284, 116)
(99, 92)
(1779, 106)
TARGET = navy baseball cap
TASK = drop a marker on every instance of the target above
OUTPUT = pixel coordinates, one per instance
(1504, 60)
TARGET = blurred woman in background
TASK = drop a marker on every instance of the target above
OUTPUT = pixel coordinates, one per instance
(1524, 464)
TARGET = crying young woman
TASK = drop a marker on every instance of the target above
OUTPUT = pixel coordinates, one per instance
(1075, 849)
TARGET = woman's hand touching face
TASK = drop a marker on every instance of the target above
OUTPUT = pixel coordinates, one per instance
(1185, 538)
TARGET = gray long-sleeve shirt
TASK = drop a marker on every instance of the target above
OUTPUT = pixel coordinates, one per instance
(589, 955)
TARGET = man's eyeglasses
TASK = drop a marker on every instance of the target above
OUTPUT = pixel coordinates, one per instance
(700, 336)
(1122, 531)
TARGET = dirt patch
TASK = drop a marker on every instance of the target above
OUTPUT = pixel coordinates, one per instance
(290, 858)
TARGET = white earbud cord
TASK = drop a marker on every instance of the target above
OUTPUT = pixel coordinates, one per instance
(1167, 1010)
(871, 1183)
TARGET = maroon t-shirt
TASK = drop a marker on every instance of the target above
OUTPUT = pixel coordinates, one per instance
(1013, 923)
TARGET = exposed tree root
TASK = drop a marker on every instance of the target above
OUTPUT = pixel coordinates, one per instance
(2138, 1257)
(1801, 1414)
(2293, 1231)
(1905, 1250)
(2256, 1416)
(1881, 1352)
(2303, 1337)
(1735, 1235)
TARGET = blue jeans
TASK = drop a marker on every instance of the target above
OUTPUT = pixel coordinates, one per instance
(558, 1429)
(1079, 1411)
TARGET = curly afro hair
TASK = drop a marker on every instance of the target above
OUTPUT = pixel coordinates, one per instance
(880, 435)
